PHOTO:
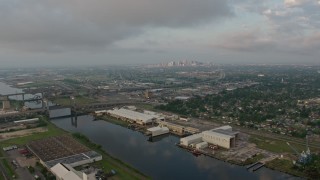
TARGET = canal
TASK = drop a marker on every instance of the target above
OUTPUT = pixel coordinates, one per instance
(161, 159)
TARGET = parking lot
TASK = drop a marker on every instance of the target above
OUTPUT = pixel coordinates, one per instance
(20, 163)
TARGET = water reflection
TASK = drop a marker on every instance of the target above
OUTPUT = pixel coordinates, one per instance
(74, 121)
(157, 138)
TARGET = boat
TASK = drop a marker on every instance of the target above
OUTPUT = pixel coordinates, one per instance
(196, 153)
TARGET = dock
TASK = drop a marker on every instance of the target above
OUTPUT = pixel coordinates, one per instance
(251, 165)
(255, 166)
(258, 167)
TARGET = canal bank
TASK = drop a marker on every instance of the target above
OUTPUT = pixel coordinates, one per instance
(160, 159)
(109, 162)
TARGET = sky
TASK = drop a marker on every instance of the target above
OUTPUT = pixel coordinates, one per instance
(106, 32)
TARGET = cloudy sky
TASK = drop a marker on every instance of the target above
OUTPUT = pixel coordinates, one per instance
(94, 32)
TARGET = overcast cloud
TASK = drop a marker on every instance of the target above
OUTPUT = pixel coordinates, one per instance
(149, 31)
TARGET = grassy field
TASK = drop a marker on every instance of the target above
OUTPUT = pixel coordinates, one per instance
(273, 145)
(6, 165)
(52, 131)
(146, 106)
(80, 100)
(278, 146)
(284, 165)
(254, 159)
(8, 168)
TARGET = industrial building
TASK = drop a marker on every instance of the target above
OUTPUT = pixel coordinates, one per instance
(183, 98)
(62, 149)
(157, 131)
(66, 172)
(26, 121)
(132, 116)
(222, 136)
(201, 145)
(193, 139)
(178, 128)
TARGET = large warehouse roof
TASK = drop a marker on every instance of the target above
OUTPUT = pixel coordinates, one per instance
(225, 132)
(65, 172)
(194, 136)
(217, 134)
(133, 115)
(61, 149)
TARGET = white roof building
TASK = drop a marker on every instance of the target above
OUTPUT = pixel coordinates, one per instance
(221, 136)
(66, 172)
(100, 112)
(156, 131)
(196, 138)
(201, 145)
(182, 98)
(135, 116)
(27, 120)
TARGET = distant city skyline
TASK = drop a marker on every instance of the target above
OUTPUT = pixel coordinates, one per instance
(87, 33)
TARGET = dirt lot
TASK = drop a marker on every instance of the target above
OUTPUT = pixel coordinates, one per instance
(22, 161)
(26, 132)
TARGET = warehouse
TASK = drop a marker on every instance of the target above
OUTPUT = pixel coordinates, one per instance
(218, 138)
(132, 116)
(193, 139)
(66, 172)
(222, 136)
(62, 149)
(157, 131)
(201, 145)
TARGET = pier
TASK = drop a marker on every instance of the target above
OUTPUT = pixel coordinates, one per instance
(251, 165)
(255, 166)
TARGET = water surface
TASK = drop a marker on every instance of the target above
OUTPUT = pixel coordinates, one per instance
(161, 159)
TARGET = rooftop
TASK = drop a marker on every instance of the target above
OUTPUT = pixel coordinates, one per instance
(60, 149)
(225, 132)
(134, 115)
(56, 147)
